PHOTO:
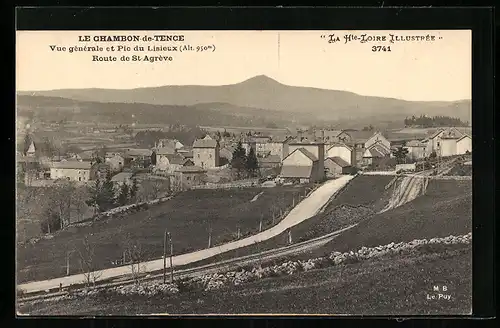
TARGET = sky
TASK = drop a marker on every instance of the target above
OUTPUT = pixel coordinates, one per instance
(439, 70)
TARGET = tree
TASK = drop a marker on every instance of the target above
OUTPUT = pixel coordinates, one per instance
(135, 254)
(134, 189)
(400, 153)
(86, 254)
(251, 163)
(123, 196)
(239, 159)
(94, 192)
(107, 195)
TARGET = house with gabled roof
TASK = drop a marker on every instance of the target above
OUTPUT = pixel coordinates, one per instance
(71, 170)
(302, 166)
(464, 145)
(340, 150)
(335, 166)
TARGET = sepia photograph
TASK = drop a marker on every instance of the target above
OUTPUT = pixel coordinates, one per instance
(234, 172)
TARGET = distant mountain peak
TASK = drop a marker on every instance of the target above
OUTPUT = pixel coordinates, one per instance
(261, 79)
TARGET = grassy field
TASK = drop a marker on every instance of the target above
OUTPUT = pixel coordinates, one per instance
(445, 209)
(187, 216)
(361, 199)
(393, 285)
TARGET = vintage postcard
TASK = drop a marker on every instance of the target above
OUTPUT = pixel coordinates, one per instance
(244, 172)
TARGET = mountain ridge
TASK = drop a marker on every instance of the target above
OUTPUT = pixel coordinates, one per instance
(265, 93)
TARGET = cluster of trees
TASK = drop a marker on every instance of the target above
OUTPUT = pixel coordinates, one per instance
(424, 121)
(401, 154)
(103, 196)
(368, 128)
(243, 164)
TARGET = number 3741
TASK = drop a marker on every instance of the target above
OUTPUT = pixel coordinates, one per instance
(381, 48)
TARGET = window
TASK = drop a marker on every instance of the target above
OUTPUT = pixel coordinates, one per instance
(198, 155)
(79, 178)
(210, 155)
(188, 178)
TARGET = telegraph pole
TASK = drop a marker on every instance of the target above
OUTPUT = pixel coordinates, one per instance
(209, 236)
(165, 256)
(260, 224)
(289, 236)
(171, 256)
(67, 262)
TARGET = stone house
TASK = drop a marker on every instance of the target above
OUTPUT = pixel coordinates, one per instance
(186, 177)
(206, 153)
(71, 170)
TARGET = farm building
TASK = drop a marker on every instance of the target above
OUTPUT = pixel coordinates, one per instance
(416, 149)
(169, 163)
(269, 161)
(335, 166)
(206, 153)
(302, 166)
(375, 153)
(140, 157)
(71, 170)
(186, 177)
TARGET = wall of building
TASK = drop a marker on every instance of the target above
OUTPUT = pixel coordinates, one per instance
(416, 152)
(297, 159)
(340, 151)
(72, 174)
(206, 157)
(448, 147)
(378, 138)
(464, 145)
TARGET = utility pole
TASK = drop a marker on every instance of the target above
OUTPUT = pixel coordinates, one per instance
(289, 236)
(165, 256)
(171, 256)
(67, 262)
(209, 236)
(260, 224)
(238, 233)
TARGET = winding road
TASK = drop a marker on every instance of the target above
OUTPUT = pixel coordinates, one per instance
(304, 210)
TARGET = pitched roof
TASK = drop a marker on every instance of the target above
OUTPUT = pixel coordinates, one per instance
(205, 143)
(72, 165)
(373, 152)
(415, 143)
(280, 139)
(175, 159)
(293, 171)
(338, 144)
(308, 154)
(381, 148)
(190, 169)
(165, 151)
(270, 159)
(138, 152)
(360, 136)
(339, 161)
(464, 136)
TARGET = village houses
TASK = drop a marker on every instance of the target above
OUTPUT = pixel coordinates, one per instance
(188, 176)
(449, 142)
